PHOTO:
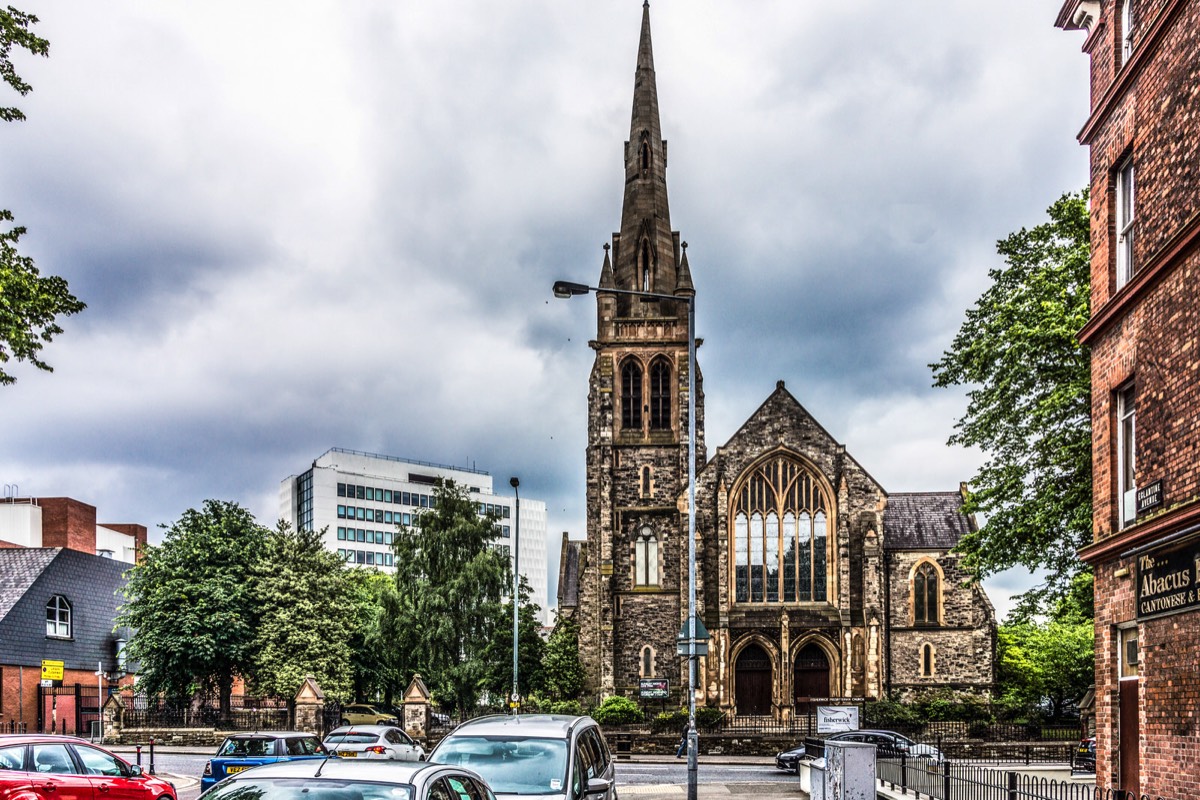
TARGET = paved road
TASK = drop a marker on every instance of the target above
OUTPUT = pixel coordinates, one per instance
(645, 781)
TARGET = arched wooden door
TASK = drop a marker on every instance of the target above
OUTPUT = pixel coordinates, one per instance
(753, 679)
(811, 677)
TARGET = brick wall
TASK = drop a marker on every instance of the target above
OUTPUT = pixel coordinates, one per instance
(68, 523)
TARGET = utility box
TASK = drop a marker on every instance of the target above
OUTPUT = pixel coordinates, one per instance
(849, 771)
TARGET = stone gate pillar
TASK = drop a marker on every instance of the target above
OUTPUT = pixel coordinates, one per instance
(417, 713)
(310, 707)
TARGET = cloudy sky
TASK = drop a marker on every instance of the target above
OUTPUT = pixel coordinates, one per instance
(300, 225)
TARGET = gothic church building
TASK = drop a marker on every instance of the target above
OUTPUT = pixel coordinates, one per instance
(813, 580)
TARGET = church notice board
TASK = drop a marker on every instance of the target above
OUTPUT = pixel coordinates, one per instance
(1168, 580)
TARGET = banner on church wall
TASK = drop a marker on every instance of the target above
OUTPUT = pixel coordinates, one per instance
(835, 719)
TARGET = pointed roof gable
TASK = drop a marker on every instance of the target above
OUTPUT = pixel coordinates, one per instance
(791, 426)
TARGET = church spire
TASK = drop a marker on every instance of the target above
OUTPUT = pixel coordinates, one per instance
(646, 252)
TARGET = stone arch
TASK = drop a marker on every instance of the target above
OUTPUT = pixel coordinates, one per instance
(801, 652)
(754, 693)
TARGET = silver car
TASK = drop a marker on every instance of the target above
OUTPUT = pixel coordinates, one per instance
(373, 742)
(545, 755)
(337, 779)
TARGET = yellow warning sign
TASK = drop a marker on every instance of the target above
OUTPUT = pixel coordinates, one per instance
(52, 670)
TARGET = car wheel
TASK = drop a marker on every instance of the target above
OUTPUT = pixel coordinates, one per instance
(344, 722)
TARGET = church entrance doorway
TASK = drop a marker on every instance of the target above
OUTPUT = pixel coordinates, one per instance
(753, 676)
(811, 678)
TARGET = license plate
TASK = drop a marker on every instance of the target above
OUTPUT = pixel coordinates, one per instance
(234, 770)
(347, 754)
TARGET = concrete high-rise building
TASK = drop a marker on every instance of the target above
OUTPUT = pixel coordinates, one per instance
(359, 499)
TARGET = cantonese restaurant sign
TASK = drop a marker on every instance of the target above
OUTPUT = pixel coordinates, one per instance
(1168, 581)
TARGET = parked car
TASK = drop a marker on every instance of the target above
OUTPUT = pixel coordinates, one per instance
(1085, 756)
(363, 714)
(788, 759)
(890, 744)
(66, 768)
(334, 779)
(549, 755)
(373, 742)
(242, 751)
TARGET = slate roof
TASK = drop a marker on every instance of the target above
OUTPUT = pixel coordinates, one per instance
(19, 568)
(924, 521)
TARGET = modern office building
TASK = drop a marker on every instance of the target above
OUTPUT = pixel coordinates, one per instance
(360, 499)
(1143, 137)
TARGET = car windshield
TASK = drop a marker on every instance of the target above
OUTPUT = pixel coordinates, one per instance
(247, 748)
(351, 738)
(308, 789)
(511, 765)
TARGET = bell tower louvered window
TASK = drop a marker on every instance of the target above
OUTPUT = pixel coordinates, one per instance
(660, 395)
(631, 394)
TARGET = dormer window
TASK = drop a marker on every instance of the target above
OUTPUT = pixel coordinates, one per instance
(58, 617)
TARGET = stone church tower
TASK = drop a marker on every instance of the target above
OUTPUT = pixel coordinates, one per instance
(637, 420)
(815, 583)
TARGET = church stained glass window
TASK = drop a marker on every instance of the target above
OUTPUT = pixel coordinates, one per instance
(781, 535)
(925, 595)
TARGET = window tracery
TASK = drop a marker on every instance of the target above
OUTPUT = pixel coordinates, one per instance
(660, 394)
(780, 542)
(645, 558)
(926, 596)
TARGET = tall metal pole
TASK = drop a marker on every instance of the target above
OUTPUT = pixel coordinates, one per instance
(515, 483)
(693, 742)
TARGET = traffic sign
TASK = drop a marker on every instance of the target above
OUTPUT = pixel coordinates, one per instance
(46, 684)
(52, 670)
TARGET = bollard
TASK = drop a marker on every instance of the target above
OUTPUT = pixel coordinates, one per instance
(139, 755)
(151, 755)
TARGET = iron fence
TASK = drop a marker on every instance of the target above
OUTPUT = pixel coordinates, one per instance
(951, 780)
(244, 713)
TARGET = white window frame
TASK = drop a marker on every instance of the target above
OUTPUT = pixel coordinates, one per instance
(60, 626)
(645, 558)
(1126, 12)
(1126, 455)
(1126, 216)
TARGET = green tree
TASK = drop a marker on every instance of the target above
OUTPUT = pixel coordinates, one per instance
(562, 670)
(306, 615)
(450, 579)
(382, 647)
(529, 655)
(29, 302)
(191, 603)
(1029, 401)
(1045, 665)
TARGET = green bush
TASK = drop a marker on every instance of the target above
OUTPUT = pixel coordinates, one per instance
(669, 721)
(708, 718)
(569, 707)
(616, 710)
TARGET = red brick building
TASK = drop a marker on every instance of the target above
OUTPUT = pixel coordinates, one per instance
(1144, 137)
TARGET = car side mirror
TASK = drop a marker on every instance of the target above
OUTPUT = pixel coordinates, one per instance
(135, 771)
(598, 786)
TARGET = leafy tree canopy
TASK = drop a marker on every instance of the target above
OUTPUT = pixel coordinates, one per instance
(450, 580)
(562, 670)
(529, 655)
(1029, 402)
(191, 602)
(29, 302)
(306, 615)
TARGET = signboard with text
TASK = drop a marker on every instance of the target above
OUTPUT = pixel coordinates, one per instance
(1149, 497)
(835, 719)
(1168, 581)
(52, 670)
(654, 688)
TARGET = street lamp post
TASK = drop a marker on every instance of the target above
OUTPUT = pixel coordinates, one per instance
(516, 484)
(567, 289)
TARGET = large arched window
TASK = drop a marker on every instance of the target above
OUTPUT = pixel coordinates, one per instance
(58, 617)
(780, 524)
(645, 558)
(631, 394)
(660, 395)
(925, 595)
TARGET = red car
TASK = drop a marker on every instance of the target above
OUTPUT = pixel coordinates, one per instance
(65, 768)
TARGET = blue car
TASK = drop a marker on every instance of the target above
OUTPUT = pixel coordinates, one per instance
(243, 751)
